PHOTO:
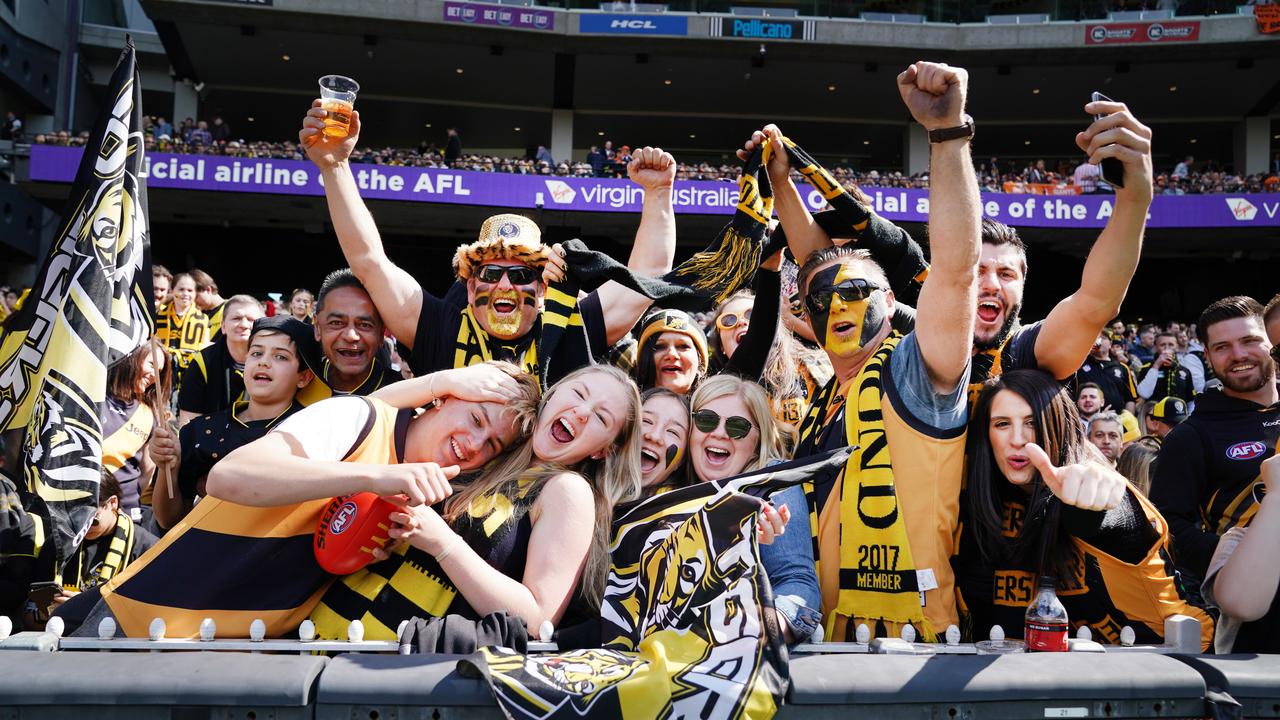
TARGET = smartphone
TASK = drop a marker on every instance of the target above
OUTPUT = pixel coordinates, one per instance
(1112, 168)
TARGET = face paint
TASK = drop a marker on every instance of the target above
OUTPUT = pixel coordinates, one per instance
(860, 320)
(504, 324)
(675, 454)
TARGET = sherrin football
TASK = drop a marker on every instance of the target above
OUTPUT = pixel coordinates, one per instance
(350, 528)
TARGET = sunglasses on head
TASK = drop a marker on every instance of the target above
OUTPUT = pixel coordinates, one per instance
(518, 274)
(735, 426)
(819, 299)
(729, 321)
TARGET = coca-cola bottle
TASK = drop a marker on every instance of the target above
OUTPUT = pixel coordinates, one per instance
(1046, 626)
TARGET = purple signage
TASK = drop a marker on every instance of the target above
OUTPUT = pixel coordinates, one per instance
(460, 187)
(499, 16)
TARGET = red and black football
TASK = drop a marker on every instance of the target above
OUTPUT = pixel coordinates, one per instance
(350, 528)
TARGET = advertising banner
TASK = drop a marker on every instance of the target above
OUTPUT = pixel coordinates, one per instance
(1142, 32)
(505, 190)
(762, 28)
(522, 18)
(633, 24)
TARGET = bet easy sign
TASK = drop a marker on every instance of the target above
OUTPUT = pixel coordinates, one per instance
(610, 24)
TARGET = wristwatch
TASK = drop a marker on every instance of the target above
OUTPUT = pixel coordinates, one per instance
(958, 132)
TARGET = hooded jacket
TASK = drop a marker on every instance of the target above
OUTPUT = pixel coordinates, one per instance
(1206, 475)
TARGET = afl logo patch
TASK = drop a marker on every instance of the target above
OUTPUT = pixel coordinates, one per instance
(508, 230)
(1246, 450)
(343, 518)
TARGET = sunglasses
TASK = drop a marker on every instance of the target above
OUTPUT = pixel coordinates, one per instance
(518, 274)
(819, 299)
(735, 426)
(729, 321)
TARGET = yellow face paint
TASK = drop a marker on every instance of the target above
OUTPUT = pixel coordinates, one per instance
(860, 320)
(849, 342)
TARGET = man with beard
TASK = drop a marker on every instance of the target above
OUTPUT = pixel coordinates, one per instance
(1206, 478)
(1089, 402)
(350, 332)
(1070, 329)
(1113, 378)
(495, 309)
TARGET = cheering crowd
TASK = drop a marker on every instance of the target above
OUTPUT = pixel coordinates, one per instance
(993, 174)
(510, 417)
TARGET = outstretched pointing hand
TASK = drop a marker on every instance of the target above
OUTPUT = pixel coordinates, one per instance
(1088, 486)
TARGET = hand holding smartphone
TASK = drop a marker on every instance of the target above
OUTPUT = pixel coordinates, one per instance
(1112, 168)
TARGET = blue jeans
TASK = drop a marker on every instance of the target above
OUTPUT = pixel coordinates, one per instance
(789, 564)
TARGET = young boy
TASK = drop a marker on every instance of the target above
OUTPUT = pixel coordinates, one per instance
(281, 352)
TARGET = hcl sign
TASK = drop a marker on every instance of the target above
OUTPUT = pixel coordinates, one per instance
(610, 24)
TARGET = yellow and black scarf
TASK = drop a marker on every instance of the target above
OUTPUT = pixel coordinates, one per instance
(890, 246)
(118, 554)
(411, 583)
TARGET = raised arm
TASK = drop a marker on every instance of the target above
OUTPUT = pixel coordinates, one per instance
(281, 468)
(654, 248)
(935, 94)
(804, 235)
(395, 293)
(1071, 327)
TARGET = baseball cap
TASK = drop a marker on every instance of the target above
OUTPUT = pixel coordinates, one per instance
(1171, 410)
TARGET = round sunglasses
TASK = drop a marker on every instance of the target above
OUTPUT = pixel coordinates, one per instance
(735, 426)
(729, 321)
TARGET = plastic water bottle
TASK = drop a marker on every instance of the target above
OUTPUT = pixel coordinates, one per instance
(1046, 626)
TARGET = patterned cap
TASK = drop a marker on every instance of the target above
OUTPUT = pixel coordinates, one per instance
(502, 237)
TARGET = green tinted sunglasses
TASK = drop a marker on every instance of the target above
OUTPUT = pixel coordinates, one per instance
(735, 426)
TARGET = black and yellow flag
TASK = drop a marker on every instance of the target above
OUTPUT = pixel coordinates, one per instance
(685, 618)
(89, 307)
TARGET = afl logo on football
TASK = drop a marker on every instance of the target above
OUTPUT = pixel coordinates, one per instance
(343, 518)
(1246, 450)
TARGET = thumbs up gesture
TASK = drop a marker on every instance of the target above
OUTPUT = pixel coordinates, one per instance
(1088, 486)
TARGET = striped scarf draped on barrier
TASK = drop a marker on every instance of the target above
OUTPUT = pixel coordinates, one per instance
(90, 307)
(685, 618)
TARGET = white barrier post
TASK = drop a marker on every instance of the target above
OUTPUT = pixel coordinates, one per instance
(208, 630)
(106, 631)
(55, 626)
(355, 632)
(6, 627)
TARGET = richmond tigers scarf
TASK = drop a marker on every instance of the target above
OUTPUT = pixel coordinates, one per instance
(877, 573)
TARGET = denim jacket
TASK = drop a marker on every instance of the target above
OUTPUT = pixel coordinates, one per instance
(792, 572)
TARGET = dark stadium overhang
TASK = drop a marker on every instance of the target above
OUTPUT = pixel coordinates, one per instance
(410, 78)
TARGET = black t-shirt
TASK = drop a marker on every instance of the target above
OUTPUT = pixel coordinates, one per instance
(213, 380)
(208, 438)
(436, 345)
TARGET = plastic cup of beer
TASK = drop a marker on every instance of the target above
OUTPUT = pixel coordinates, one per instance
(337, 97)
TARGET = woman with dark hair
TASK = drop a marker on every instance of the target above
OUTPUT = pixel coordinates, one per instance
(671, 352)
(1039, 500)
(129, 415)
